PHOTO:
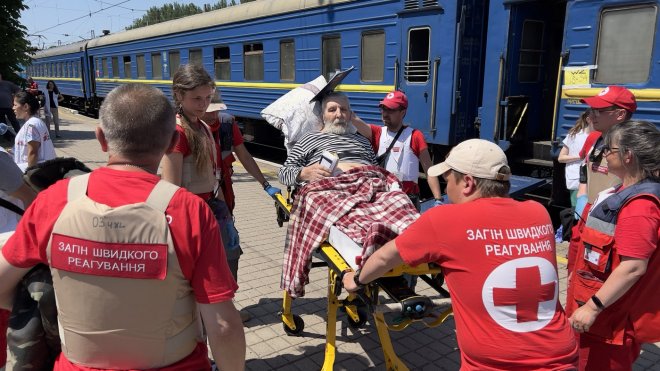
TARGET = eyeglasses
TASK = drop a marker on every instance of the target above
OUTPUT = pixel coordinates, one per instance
(607, 150)
(597, 112)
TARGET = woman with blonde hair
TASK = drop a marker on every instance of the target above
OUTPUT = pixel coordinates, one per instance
(570, 152)
(194, 163)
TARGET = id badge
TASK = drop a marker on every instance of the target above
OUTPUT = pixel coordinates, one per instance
(592, 256)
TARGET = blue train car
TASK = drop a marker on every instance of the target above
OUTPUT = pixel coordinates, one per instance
(610, 43)
(510, 71)
(66, 66)
(258, 51)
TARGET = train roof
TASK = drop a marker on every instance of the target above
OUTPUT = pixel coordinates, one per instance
(236, 13)
(64, 49)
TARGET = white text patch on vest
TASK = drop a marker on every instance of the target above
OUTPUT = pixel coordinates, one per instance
(110, 259)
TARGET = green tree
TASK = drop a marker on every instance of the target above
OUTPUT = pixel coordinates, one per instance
(244, 1)
(16, 48)
(165, 13)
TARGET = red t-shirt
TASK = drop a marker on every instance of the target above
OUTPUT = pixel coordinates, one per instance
(194, 231)
(498, 257)
(417, 144)
(637, 235)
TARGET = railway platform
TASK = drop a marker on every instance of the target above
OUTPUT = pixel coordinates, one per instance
(268, 347)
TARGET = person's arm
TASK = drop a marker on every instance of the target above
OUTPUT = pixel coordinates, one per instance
(362, 127)
(382, 261)
(617, 284)
(226, 336)
(172, 168)
(565, 158)
(9, 278)
(248, 162)
(434, 182)
(33, 152)
(294, 170)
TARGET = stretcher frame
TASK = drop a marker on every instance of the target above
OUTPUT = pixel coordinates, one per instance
(358, 305)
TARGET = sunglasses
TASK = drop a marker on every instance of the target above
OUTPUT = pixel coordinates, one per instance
(607, 150)
(600, 111)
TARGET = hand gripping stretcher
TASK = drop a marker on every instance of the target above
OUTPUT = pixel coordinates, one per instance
(338, 254)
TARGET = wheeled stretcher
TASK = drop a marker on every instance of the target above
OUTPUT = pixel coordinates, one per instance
(338, 255)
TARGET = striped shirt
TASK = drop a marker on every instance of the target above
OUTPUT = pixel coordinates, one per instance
(308, 150)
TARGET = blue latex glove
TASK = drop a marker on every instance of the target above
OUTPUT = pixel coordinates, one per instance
(438, 203)
(229, 235)
(580, 204)
(272, 191)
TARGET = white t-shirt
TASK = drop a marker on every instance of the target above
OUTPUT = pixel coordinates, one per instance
(34, 130)
(574, 144)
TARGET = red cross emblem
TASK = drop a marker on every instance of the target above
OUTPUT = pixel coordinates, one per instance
(527, 294)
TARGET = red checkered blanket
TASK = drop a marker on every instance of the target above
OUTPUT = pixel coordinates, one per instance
(365, 203)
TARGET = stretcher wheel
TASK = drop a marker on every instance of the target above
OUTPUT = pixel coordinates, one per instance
(300, 325)
(362, 318)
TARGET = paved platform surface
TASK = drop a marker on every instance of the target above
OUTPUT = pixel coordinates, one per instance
(268, 347)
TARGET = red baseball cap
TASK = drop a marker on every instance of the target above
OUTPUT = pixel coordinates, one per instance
(613, 96)
(395, 100)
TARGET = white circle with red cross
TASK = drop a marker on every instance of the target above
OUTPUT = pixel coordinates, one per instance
(521, 294)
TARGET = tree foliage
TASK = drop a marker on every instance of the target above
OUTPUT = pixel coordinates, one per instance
(15, 48)
(171, 11)
(165, 13)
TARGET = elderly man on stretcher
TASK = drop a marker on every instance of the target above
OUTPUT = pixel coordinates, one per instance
(344, 191)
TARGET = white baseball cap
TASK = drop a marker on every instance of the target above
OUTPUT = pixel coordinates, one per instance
(477, 157)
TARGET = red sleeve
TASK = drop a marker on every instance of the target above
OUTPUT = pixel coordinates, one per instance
(638, 228)
(182, 145)
(200, 253)
(375, 136)
(417, 244)
(418, 143)
(589, 142)
(237, 136)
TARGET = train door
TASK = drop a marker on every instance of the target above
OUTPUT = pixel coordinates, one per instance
(419, 68)
(529, 83)
(83, 78)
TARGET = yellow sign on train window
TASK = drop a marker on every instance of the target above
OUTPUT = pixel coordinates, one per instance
(577, 77)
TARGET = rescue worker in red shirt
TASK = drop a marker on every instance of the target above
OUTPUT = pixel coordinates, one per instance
(613, 293)
(612, 106)
(400, 148)
(135, 260)
(498, 257)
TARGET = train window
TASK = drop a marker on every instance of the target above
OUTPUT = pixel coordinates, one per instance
(624, 52)
(531, 51)
(195, 56)
(221, 63)
(287, 60)
(127, 67)
(156, 66)
(331, 55)
(175, 61)
(115, 67)
(74, 67)
(59, 69)
(105, 68)
(253, 61)
(373, 56)
(418, 65)
(141, 68)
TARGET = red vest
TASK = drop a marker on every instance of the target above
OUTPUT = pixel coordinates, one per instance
(597, 257)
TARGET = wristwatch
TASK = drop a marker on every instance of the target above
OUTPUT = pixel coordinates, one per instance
(265, 184)
(356, 279)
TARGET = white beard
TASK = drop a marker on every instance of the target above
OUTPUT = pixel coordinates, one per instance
(336, 127)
